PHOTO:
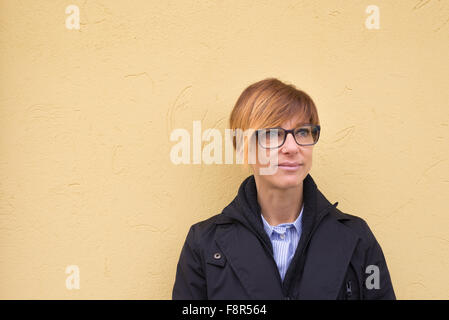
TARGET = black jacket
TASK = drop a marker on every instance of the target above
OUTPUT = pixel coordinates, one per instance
(229, 256)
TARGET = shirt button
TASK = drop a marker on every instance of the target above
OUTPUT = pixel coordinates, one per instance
(282, 236)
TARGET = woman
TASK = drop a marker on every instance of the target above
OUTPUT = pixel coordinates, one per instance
(280, 238)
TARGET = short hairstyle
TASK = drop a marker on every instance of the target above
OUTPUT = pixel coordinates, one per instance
(269, 103)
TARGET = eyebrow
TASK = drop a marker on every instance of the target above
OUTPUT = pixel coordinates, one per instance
(299, 124)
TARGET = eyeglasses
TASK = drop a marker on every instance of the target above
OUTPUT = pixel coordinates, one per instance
(272, 138)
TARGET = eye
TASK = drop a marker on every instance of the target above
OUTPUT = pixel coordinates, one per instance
(303, 132)
(273, 133)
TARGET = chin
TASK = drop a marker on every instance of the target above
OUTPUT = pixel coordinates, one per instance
(285, 181)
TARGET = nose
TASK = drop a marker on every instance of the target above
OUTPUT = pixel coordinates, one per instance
(290, 144)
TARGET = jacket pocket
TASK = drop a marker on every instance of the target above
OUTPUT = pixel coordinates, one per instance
(351, 286)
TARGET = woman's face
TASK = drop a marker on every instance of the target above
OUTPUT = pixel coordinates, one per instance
(292, 166)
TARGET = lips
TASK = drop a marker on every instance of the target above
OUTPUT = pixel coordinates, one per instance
(289, 166)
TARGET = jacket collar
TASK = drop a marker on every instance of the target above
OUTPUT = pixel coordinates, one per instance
(246, 209)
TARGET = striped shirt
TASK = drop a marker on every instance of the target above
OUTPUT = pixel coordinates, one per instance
(284, 238)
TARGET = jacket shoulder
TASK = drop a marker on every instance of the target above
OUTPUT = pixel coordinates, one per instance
(357, 224)
(209, 223)
(203, 231)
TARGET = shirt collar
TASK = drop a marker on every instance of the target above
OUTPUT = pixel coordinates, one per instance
(297, 223)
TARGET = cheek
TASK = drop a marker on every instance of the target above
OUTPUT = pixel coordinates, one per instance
(308, 158)
(266, 157)
(309, 155)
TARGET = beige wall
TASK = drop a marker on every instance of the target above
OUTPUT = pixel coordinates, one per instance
(86, 116)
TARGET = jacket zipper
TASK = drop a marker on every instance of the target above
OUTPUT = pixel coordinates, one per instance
(357, 284)
(348, 289)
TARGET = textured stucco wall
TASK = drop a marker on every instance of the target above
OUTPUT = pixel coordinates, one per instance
(86, 116)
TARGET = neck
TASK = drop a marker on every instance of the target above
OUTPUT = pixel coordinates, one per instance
(279, 205)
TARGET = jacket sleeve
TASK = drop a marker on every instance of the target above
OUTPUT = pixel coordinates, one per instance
(190, 282)
(377, 282)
